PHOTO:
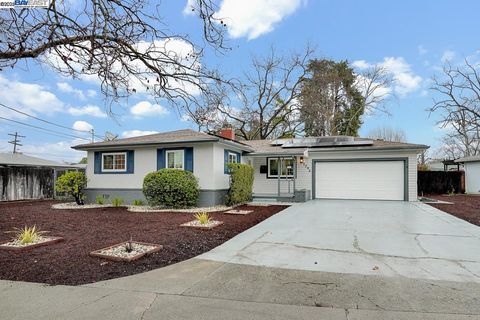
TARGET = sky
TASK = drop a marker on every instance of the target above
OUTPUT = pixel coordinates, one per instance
(411, 39)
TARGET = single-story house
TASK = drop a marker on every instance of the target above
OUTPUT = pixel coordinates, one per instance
(472, 173)
(295, 169)
(25, 177)
(444, 165)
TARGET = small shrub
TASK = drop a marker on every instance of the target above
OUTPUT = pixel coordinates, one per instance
(100, 200)
(202, 217)
(117, 202)
(171, 188)
(28, 234)
(137, 202)
(73, 183)
(241, 184)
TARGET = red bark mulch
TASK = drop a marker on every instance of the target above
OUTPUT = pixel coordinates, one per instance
(466, 207)
(85, 230)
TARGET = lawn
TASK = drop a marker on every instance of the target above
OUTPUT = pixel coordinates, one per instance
(466, 207)
(68, 262)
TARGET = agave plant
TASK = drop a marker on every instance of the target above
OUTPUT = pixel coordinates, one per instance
(202, 217)
(28, 234)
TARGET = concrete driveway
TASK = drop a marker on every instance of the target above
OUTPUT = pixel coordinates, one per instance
(385, 238)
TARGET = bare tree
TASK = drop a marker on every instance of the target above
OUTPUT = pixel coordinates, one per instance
(388, 134)
(123, 44)
(459, 107)
(375, 85)
(264, 104)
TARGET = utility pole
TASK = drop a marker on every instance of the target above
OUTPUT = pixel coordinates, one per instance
(16, 141)
(93, 135)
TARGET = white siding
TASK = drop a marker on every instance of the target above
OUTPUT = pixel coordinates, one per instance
(207, 167)
(218, 177)
(472, 177)
(263, 185)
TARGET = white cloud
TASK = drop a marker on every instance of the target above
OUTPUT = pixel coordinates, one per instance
(421, 50)
(163, 53)
(406, 80)
(28, 97)
(136, 133)
(88, 110)
(447, 56)
(82, 126)
(252, 18)
(67, 88)
(146, 108)
(91, 93)
(190, 7)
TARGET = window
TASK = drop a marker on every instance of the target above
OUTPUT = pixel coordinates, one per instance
(175, 159)
(114, 162)
(284, 165)
(232, 157)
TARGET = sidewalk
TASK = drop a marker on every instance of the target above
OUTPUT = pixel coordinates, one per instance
(201, 289)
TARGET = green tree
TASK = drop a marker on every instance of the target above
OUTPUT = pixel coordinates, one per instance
(83, 161)
(331, 103)
(73, 183)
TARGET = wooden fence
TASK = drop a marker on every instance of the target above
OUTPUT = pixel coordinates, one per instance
(21, 183)
(440, 182)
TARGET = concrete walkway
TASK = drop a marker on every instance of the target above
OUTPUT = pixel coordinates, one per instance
(203, 289)
(383, 238)
(240, 280)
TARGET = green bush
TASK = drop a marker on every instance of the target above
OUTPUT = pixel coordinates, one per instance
(100, 200)
(74, 184)
(241, 183)
(117, 202)
(137, 202)
(171, 188)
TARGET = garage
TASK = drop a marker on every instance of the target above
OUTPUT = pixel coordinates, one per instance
(360, 179)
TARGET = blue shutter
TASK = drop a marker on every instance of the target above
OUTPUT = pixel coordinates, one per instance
(188, 154)
(239, 157)
(97, 167)
(160, 159)
(130, 161)
(225, 161)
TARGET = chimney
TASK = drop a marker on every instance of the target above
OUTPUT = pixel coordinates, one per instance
(227, 133)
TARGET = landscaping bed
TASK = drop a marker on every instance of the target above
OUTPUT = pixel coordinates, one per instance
(69, 262)
(466, 207)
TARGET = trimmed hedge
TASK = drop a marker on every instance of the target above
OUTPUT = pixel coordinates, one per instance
(74, 184)
(241, 184)
(171, 188)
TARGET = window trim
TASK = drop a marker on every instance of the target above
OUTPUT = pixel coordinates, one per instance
(173, 151)
(103, 154)
(275, 176)
(230, 153)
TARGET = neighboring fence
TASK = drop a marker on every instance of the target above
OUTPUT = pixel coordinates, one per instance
(21, 183)
(440, 182)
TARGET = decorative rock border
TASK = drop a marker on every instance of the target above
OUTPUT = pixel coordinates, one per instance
(195, 224)
(74, 206)
(238, 212)
(188, 210)
(109, 252)
(10, 246)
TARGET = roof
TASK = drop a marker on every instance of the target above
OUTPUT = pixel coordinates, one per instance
(265, 147)
(19, 159)
(178, 136)
(469, 159)
(253, 146)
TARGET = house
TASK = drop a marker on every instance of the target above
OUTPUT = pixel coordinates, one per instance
(285, 169)
(472, 173)
(25, 177)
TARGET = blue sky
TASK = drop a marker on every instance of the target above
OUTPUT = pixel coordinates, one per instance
(411, 39)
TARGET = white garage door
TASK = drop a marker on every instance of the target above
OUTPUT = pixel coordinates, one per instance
(376, 180)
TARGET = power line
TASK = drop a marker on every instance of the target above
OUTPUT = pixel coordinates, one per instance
(49, 122)
(15, 141)
(44, 129)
